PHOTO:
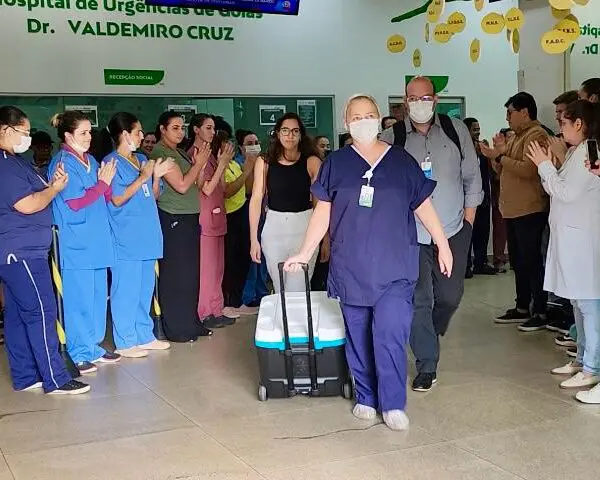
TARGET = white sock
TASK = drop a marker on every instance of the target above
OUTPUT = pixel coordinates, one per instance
(396, 420)
(364, 412)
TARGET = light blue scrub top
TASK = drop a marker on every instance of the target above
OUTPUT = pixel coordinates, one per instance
(84, 236)
(135, 225)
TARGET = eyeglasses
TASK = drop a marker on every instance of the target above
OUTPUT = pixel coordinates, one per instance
(286, 132)
(424, 98)
(24, 132)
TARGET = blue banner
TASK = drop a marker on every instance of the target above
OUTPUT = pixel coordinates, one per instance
(278, 7)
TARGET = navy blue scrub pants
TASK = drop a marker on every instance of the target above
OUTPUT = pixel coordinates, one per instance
(30, 325)
(376, 340)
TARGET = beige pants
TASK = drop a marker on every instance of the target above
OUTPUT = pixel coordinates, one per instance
(282, 237)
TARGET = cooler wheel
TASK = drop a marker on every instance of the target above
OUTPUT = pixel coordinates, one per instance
(347, 390)
(262, 393)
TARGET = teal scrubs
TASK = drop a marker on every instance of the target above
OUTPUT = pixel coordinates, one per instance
(86, 251)
(138, 241)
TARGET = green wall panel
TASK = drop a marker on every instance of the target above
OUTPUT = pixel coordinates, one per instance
(241, 112)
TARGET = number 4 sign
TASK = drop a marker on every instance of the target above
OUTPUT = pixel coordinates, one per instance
(269, 114)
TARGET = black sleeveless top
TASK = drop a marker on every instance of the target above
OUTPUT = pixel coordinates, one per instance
(288, 187)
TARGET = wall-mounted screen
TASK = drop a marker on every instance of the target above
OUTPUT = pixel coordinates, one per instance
(277, 7)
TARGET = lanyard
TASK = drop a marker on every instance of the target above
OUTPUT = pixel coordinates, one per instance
(369, 173)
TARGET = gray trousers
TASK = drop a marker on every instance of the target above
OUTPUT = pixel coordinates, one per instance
(282, 237)
(437, 298)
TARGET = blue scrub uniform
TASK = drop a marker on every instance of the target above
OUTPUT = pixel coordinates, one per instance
(374, 265)
(86, 251)
(138, 244)
(30, 310)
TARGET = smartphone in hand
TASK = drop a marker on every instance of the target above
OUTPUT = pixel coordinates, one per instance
(592, 151)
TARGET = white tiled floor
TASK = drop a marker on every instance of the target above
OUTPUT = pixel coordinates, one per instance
(192, 413)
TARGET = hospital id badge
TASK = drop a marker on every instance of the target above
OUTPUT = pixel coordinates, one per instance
(427, 170)
(366, 196)
(146, 190)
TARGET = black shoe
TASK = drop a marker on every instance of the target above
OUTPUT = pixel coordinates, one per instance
(202, 331)
(565, 341)
(226, 321)
(469, 273)
(424, 381)
(560, 325)
(86, 368)
(513, 316)
(214, 322)
(71, 388)
(534, 324)
(485, 270)
(500, 268)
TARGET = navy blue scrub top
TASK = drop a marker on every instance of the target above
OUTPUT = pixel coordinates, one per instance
(371, 248)
(21, 236)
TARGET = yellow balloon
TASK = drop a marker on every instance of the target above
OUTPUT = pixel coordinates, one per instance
(582, 2)
(442, 33)
(569, 26)
(396, 44)
(561, 4)
(479, 4)
(427, 33)
(457, 22)
(440, 5)
(475, 50)
(417, 58)
(515, 41)
(433, 14)
(514, 19)
(555, 42)
(492, 23)
(560, 14)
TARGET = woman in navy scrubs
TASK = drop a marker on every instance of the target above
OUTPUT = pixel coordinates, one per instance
(86, 245)
(368, 194)
(135, 227)
(25, 237)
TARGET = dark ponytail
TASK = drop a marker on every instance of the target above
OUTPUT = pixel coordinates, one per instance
(588, 113)
(11, 116)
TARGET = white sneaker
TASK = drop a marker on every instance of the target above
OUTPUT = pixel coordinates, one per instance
(591, 397)
(155, 345)
(396, 420)
(230, 312)
(133, 352)
(364, 412)
(570, 368)
(35, 386)
(580, 380)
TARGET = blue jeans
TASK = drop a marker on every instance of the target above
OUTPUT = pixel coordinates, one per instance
(587, 321)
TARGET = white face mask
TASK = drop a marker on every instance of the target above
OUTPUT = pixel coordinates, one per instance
(24, 145)
(420, 112)
(252, 149)
(131, 145)
(78, 148)
(365, 130)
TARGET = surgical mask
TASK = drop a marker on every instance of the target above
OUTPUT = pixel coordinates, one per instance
(78, 148)
(252, 149)
(420, 112)
(24, 145)
(131, 145)
(365, 130)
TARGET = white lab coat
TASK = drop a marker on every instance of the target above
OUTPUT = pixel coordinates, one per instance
(573, 260)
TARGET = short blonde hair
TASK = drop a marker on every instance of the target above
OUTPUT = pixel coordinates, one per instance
(361, 96)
